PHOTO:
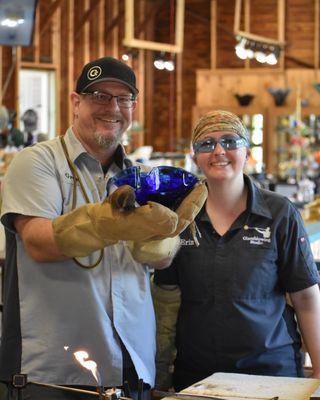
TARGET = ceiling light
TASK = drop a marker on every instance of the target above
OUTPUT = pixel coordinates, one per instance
(260, 57)
(261, 51)
(169, 65)
(125, 57)
(162, 62)
(159, 64)
(271, 59)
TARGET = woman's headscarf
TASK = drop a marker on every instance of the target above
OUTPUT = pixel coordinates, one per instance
(219, 120)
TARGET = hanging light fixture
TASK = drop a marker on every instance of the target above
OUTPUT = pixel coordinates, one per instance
(249, 45)
(263, 52)
(162, 62)
(129, 53)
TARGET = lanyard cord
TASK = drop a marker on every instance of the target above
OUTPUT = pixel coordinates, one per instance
(77, 179)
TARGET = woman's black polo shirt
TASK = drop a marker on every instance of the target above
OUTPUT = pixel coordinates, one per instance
(233, 315)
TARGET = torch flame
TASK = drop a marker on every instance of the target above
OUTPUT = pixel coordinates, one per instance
(82, 357)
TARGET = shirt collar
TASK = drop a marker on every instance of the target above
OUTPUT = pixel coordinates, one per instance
(76, 149)
(256, 203)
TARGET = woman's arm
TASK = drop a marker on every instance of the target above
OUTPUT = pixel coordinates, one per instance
(306, 303)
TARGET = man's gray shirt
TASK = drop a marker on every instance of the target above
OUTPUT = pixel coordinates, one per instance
(59, 307)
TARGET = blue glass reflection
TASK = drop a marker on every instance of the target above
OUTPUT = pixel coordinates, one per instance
(165, 185)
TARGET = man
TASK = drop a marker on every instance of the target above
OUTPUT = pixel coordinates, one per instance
(57, 230)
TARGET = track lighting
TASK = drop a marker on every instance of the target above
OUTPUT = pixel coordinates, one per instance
(262, 52)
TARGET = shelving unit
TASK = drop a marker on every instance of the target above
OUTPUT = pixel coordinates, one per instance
(295, 148)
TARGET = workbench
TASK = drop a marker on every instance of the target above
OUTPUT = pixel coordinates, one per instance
(254, 387)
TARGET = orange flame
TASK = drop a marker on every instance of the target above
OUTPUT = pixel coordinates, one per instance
(82, 357)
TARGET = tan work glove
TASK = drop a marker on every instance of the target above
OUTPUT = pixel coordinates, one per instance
(158, 250)
(191, 206)
(155, 250)
(93, 226)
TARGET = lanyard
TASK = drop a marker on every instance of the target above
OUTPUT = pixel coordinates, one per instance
(77, 179)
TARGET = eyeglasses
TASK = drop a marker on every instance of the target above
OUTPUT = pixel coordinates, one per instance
(103, 99)
(226, 142)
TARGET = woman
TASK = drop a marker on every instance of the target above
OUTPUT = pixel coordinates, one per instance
(253, 250)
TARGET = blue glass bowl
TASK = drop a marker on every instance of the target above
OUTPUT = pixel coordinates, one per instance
(164, 185)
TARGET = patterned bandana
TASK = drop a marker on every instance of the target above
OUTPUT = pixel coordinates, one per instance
(219, 120)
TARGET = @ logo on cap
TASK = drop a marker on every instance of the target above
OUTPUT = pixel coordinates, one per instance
(94, 73)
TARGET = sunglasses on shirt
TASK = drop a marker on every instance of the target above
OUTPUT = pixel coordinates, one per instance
(226, 142)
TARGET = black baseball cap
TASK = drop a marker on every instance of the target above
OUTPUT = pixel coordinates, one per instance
(106, 69)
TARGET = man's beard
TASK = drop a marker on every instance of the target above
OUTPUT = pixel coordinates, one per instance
(105, 142)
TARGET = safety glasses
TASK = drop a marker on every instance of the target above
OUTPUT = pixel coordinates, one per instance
(226, 142)
(164, 184)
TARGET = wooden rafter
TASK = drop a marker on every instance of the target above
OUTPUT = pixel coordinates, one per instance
(85, 18)
(54, 6)
(151, 14)
(316, 34)
(130, 41)
(248, 35)
(116, 20)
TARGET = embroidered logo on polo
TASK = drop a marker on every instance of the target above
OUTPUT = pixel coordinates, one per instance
(259, 235)
(68, 176)
(94, 73)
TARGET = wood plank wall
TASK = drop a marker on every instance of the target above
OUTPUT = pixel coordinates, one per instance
(69, 33)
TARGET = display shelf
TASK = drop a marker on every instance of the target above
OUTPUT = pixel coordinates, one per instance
(295, 144)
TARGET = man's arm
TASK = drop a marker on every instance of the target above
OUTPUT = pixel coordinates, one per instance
(307, 307)
(38, 239)
(92, 227)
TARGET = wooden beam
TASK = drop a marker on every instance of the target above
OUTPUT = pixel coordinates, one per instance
(259, 38)
(316, 34)
(36, 40)
(141, 71)
(281, 30)
(237, 16)
(86, 33)
(246, 33)
(213, 34)
(149, 91)
(17, 83)
(153, 11)
(115, 21)
(115, 33)
(69, 55)
(38, 65)
(86, 16)
(179, 93)
(101, 26)
(54, 6)
(130, 41)
(247, 25)
(56, 58)
(11, 75)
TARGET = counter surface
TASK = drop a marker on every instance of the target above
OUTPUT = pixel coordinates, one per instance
(254, 387)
